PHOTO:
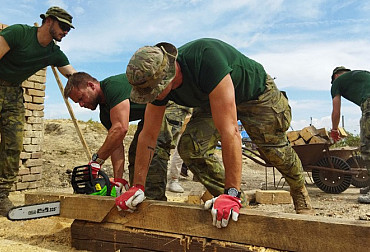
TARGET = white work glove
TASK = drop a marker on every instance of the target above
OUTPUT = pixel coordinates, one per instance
(130, 199)
(223, 207)
(120, 185)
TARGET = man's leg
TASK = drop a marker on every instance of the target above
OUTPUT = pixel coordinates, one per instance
(12, 119)
(266, 121)
(196, 147)
(365, 147)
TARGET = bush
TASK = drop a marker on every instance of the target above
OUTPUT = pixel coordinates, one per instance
(351, 140)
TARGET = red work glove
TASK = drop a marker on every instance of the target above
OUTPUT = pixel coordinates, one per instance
(223, 207)
(334, 134)
(95, 167)
(120, 184)
(130, 199)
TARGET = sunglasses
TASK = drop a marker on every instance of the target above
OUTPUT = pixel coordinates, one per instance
(65, 27)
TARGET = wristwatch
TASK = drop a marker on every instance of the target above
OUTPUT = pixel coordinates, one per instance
(233, 192)
(96, 158)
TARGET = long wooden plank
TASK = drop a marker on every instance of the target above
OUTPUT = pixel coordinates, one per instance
(113, 237)
(268, 229)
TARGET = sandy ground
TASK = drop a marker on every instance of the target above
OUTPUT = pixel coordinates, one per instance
(63, 151)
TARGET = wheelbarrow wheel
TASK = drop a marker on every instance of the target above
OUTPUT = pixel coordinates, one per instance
(362, 179)
(331, 181)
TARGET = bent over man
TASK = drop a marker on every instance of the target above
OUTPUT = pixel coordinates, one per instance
(209, 73)
(116, 111)
(24, 50)
(355, 87)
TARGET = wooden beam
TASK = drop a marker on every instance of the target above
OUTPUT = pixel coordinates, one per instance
(267, 229)
(114, 237)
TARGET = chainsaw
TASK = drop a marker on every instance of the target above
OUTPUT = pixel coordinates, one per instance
(83, 182)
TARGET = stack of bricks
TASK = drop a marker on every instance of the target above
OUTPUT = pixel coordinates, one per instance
(31, 161)
(30, 164)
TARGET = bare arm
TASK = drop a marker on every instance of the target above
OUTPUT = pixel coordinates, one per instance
(147, 141)
(335, 114)
(119, 116)
(223, 107)
(118, 161)
(4, 47)
(66, 70)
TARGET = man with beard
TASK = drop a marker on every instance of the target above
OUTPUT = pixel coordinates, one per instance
(116, 111)
(24, 50)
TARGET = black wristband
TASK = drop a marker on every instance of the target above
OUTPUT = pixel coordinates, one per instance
(96, 158)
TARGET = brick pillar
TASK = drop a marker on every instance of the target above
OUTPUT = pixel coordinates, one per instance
(31, 163)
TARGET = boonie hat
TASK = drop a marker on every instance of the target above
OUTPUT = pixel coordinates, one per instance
(338, 69)
(59, 14)
(150, 70)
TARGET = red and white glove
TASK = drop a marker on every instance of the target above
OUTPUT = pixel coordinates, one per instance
(120, 184)
(130, 199)
(95, 168)
(223, 207)
(334, 134)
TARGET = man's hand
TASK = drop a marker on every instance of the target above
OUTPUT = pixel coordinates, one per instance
(130, 199)
(120, 184)
(334, 134)
(95, 168)
(223, 207)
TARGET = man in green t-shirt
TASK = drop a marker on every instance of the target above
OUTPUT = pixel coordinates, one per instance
(24, 50)
(211, 74)
(116, 111)
(355, 87)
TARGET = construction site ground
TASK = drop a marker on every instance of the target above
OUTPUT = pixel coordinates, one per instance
(63, 151)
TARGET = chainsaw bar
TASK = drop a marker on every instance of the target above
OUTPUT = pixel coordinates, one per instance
(28, 212)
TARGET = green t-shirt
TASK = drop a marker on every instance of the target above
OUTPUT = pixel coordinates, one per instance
(204, 63)
(354, 86)
(117, 89)
(26, 56)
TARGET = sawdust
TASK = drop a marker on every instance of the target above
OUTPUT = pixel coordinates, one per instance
(63, 151)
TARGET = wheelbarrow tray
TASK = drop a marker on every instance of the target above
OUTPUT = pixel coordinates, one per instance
(310, 154)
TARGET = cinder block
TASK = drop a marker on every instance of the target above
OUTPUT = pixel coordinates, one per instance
(194, 199)
(273, 197)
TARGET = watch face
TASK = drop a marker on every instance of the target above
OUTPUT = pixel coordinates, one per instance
(94, 157)
(233, 192)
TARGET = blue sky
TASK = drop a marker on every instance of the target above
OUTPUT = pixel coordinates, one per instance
(298, 42)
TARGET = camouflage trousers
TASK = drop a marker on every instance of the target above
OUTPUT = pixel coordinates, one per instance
(156, 181)
(266, 121)
(365, 133)
(12, 119)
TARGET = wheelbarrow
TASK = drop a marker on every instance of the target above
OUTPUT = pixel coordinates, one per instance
(330, 173)
(354, 160)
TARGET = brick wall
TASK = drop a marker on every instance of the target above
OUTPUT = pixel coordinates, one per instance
(31, 163)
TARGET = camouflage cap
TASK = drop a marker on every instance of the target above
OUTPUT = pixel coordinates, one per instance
(338, 69)
(150, 70)
(59, 14)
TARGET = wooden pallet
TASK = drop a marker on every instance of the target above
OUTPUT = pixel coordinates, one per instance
(165, 226)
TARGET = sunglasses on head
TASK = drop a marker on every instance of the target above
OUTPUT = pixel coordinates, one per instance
(65, 27)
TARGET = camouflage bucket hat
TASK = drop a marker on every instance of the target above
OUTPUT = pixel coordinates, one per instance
(59, 14)
(338, 69)
(150, 70)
